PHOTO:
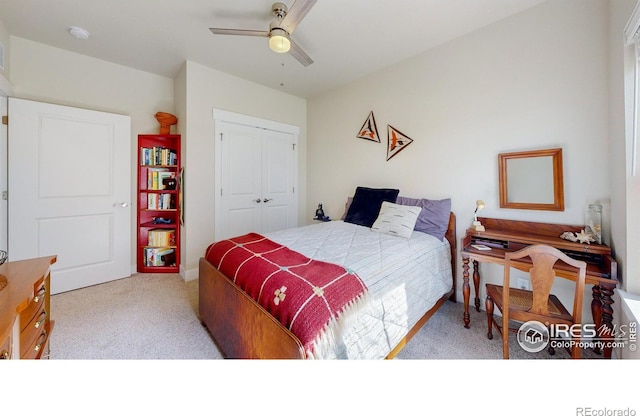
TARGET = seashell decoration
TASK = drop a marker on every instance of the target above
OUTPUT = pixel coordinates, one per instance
(581, 237)
(568, 235)
(584, 237)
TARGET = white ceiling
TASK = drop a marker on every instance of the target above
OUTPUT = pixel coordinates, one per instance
(347, 39)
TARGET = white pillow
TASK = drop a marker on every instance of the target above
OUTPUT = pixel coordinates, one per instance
(398, 220)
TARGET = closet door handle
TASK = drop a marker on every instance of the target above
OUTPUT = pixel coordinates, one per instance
(257, 200)
(267, 199)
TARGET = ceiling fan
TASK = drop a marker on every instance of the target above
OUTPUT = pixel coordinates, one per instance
(280, 30)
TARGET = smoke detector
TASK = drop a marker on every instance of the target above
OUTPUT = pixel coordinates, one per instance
(78, 32)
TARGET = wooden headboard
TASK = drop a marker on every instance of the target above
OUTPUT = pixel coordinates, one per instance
(450, 235)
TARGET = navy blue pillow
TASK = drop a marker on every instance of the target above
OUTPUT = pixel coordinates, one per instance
(366, 204)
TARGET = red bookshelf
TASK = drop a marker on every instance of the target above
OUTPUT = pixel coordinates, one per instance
(158, 222)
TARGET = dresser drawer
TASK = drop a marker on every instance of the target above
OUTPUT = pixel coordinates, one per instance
(5, 348)
(33, 330)
(25, 324)
(34, 306)
(37, 348)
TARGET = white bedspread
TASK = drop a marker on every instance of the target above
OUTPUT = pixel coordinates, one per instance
(405, 278)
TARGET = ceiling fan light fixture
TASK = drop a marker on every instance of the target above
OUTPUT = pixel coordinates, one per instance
(279, 41)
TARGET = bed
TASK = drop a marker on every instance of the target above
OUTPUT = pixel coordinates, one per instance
(405, 279)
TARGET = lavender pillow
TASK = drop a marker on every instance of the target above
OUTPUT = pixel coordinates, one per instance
(434, 216)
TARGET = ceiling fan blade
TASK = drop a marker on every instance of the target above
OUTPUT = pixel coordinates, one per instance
(296, 13)
(219, 31)
(299, 54)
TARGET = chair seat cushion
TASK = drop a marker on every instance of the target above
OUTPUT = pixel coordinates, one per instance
(520, 299)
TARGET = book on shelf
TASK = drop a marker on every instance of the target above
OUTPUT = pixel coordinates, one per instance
(163, 177)
(160, 201)
(159, 256)
(161, 237)
(154, 156)
(157, 178)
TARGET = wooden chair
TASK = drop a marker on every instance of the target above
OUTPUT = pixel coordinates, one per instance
(537, 304)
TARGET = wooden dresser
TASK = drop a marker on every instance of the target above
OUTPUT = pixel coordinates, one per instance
(502, 236)
(25, 324)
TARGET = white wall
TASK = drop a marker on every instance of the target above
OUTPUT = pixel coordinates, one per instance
(621, 72)
(5, 39)
(625, 188)
(180, 106)
(536, 80)
(202, 89)
(6, 90)
(43, 73)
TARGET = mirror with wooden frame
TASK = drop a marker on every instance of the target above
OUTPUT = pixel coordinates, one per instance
(532, 180)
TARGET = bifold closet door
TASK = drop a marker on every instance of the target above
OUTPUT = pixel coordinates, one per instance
(278, 202)
(257, 180)
(241, 178)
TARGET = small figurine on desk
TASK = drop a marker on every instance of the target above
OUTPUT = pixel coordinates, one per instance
(320, 214)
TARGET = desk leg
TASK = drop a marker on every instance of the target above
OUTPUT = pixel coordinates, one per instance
(602, 313)
(607, 317)
(466, 290)
(476, 283)
(596, 310)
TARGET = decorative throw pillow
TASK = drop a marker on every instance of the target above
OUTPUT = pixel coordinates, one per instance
(346, 207)
(366, 204)
(398, 220)
(434, 217)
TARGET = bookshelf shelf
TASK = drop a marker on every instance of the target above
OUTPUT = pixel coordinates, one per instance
(158, 213)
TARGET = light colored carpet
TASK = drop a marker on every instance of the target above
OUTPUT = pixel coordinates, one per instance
(155, 316)
(146, 316)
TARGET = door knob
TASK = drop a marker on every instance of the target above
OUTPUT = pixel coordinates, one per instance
(257, 200)
(267, 199)
(122, 204)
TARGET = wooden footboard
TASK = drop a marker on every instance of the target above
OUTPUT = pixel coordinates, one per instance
(239, 325)
(243, 329)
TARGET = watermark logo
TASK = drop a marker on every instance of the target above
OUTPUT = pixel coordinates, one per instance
(534, 336)
(605, 411)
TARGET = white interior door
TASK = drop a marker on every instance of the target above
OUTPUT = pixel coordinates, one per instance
(241, 175)
(278, 197)
(69, 188)
(256, 171)
(3, 177)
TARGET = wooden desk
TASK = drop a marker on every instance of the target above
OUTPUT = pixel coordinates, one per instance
(507, 235)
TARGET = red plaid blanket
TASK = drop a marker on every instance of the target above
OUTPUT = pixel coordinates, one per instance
(307, 296)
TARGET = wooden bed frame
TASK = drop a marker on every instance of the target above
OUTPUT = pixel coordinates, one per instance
(242, 328)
